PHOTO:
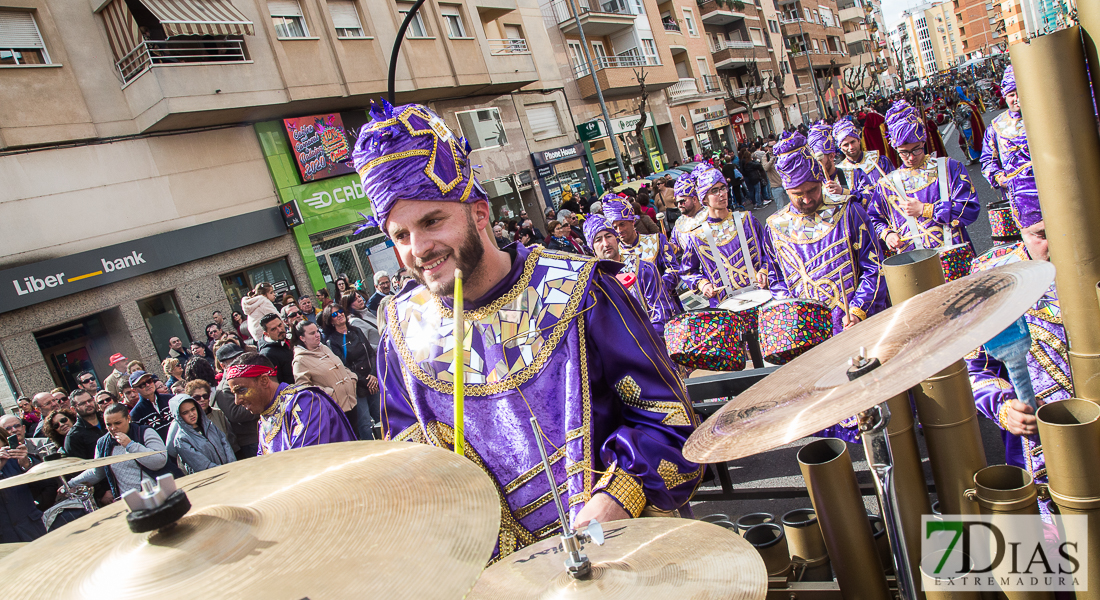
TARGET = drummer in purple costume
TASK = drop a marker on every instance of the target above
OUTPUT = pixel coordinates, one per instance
(693, 213)
(863, 168)
(1047, 363)
(913, 190)
(819, 139)
(702, 267)
(550, 335)
(1006, 158)
(652, 248)
(824, 250)
(649, 289)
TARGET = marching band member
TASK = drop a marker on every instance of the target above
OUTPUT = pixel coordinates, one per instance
(874, 135)
(649, 288)
(692, 213)
(819, 139)
(1006, 159)
(862, 167)
(550, 335)
(907, 205)
(651, 248)
(725, 253)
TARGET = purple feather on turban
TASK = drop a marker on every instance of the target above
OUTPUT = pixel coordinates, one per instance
(905, 125)
(820, 138)
(844, 128)
(1008, 83)
(593, 225)
(617, 208)
(409, 153)
(684, 186)
(794, 162)
(706, 177)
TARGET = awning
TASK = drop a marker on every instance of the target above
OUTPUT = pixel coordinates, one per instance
(199, 17)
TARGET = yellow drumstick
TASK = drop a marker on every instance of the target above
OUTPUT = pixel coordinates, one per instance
(460, 364)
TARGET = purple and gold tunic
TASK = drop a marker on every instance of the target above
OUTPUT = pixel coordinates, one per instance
(559, 339)
(864, 175)
(684, 227)
(1047, 363)
(654, 248)
(301, 416)
(700, 263)
(1006, 160)
(958, 210)
(652, 293)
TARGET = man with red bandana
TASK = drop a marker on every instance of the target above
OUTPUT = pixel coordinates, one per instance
(291, 416)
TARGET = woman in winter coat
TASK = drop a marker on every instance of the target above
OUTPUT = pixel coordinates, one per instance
(194, 440)
(258, 303)
(315, 364)
(352, 348)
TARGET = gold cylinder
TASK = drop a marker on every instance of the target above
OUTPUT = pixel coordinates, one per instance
(912, 492)
(1070, 431)
(769, 541)
(945, 401)
(1056, 100)
(944, 587)
(745, 522)
(882, 542)
(809, 556)
(1088, 15)
(831, 481)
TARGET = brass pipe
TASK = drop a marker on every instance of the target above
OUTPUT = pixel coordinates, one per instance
(944, 586)
(945, 401)
(806, 545)
(1070, 431)
(1090, 30)
(909, 484)
(1003, 491)
(1055, 98)
(745, 522)
(882, 542)
(769, 541)
(831, 481)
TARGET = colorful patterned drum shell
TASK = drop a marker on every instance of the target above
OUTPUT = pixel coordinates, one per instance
(707, 339)
(789, 328)
(956, 261)
(1002, 223)
(747, 303)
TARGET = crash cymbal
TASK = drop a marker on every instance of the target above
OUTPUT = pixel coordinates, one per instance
(347, 520)
(6, 549)
(913, 340)
(66, 466)
(641, 559)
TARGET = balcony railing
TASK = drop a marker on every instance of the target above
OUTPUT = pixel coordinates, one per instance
(150, 53)
(711, 84)
(685, 88)
(563, 12)
(738, 92)
(671, 26)
(510, 46)
(613, 62)
(733, 44)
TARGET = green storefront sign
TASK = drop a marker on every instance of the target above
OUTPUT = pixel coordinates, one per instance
(590, 131)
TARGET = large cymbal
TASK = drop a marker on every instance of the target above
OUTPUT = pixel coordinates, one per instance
(6, 549)
(347, 520)
(914, 340)
(641, 559)
(66, 466)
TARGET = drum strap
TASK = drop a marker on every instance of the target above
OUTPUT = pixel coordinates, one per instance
(719, 260)
(741, 235)
(910, 222)
(945, 196)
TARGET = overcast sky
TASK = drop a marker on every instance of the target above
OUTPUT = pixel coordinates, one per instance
(891, 10)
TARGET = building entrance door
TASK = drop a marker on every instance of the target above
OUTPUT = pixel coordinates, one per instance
(341, 252)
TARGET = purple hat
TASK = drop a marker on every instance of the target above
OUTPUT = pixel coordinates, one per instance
(706, 177)
(593, 225)
(685, 185)
(904, 124)
(820, 138)
(1008, 83)
(617, 208)
(1026, 209)
(844, 128)
(409, 153)
(794, 162)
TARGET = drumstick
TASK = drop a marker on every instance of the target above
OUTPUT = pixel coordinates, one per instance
(745, 249)
(460, 365)
(719, 262)
(910, 222)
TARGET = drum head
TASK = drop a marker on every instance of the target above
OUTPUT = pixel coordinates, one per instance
(746, 300)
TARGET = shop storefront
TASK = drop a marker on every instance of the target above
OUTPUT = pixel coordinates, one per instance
(561, 173)
(711, 126)
(638, 159)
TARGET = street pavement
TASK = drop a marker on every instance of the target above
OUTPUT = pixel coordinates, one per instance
(779, 468)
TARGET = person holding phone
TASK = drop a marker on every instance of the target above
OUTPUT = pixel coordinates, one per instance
(20, 519)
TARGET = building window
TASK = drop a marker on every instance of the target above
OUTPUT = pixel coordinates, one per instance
(773, 26)
(650, 48)
(483, 128)
(543, 119)
(20, 41)
(757, 36)
(345, 19)
(417, 29)
(689, 21)
(453, 17)
(288, 19)
(163, 321)
(785, 68)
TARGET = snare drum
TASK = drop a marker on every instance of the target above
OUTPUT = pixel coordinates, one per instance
(956, 260)
(1002, 223)
(707, 339)
(747, 302)
(790, 327)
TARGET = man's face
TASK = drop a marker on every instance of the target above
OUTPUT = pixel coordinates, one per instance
(89, 383)
(384, 284)
(1012, 99)
(117, 422)
(46, 403)
(606, 245)
(275, 330)
(85, 405)
(14, 426)
(213, 332)
(306, 304)
(718, 197)
(219, 319)
(807, 197)
(435, 238)
(912, 155)
(852, 148)
(175, 343)
(689, 205)
(293, 315)
(626, 229)
(146, 387)
(1035, 239)
(102, 401)
(62, 400)
(827, 161)
(251, 393)
(130, 397)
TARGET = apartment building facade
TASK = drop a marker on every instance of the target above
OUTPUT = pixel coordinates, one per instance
(981, 26)
(160, 160)
(866, 39)
(1027, 18)
(944, 31)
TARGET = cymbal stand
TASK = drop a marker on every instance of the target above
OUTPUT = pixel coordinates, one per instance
(572, 542)
(80, 493)
(876, 443)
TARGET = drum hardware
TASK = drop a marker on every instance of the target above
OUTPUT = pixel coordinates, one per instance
(882, 542)
(746, 522)
(806, 546)
(572, 542)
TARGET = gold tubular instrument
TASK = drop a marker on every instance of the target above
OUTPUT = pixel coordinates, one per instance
(806, 546)
(769, 541)
(912, 492)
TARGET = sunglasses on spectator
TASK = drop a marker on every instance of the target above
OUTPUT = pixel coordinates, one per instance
(86, 380)
(291, 315)
(146, 384)
(337, 313)
(205, 396)
(61, 421)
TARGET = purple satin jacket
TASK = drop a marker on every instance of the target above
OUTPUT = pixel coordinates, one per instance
(700, 263)
(864, 175)
(1006, 158)
(654, 248)
(958, 210)
(651, 292)
(301, 416)
(560, 339)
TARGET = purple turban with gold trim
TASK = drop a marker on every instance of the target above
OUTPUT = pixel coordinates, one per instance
(409, 153)
(617, 208)
(706, 177)
(904, 124)
(1008, 82)
(593, 225)
(685, 185)
(820, 138)
(844, 128)
(794, 162)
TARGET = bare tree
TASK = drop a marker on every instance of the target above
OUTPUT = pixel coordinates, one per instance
(639, 128)
(753, 92)
(775, 89)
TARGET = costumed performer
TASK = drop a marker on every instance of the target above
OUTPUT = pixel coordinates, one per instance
(862, 167)
(1006, 158)
(819, 139)
(652, 248)
(692, 213)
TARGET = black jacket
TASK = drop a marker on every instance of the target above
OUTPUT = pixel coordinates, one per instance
(81, 439)
(281, 356)
(356, 353)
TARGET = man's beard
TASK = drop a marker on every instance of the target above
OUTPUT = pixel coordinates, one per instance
(467, 257)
